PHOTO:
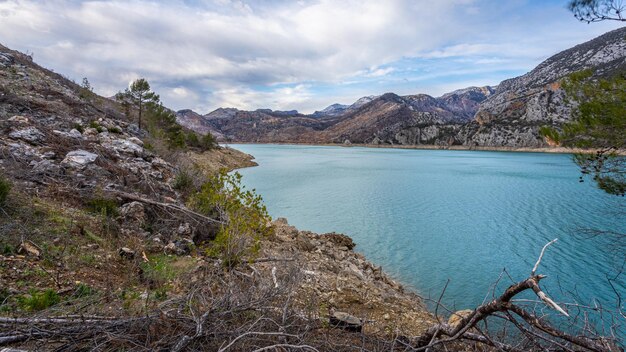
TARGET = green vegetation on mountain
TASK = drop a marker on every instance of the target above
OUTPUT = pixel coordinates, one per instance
(598, 122)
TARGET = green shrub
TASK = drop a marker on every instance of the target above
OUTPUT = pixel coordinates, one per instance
(183, 181)
(208, 142)
(5, 188)
(158, 270)
(83, 290)
(160, 294)
(7, 249)
(96, 125)
(103, 206)
(115, 130)
(192, 139)
(78, 127)
(239, 238)
(38, 300)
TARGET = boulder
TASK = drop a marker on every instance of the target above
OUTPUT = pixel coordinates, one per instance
(79, 158)
(45, 167)
(123, 146)
(133, 211)
(30, 135)
(346, 321)
(73, 133)
(339, 240)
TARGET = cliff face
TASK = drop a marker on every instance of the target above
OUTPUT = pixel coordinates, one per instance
(520, 106)
(507, 116)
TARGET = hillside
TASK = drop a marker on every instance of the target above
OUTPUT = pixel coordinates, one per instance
(120, 240)
(508, 115)
(520, 106)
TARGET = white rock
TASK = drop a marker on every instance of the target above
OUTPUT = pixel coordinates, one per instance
(74, 133)
(79, 158)
(123, 146)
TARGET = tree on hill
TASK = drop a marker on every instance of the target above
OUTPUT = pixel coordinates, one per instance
(599, 122)
(598, 10)
(138, 94)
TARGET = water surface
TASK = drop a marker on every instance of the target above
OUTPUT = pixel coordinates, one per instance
(429, 216)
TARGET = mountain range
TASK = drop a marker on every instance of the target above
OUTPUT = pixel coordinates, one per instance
(508, 115)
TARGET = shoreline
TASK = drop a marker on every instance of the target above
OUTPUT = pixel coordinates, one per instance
(546, 150)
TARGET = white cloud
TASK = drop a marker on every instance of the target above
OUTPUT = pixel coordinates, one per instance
(264, 54)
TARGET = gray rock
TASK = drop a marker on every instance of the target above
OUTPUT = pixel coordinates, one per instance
(30, 135)
(79, 158)
(184, 229)
(46, 167)
(133, 211)
(346, 321)
(123, 146)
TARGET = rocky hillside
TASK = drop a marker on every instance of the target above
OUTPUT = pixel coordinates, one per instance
(98, 231)
(520, 106)
(508, 115)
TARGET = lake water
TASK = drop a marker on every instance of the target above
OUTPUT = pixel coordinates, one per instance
(429, 216)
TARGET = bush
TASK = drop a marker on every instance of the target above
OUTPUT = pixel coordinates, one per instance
(246, 217)
(96, 125)
(39, 300)
(78, 127)
(103, 206)
(183, 181)
(208, 142)
(5, 188)
(159, 270)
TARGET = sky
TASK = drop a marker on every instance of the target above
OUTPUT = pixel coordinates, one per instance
(290, 54)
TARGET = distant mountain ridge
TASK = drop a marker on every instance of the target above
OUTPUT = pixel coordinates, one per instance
(508, 115)
(337, 123)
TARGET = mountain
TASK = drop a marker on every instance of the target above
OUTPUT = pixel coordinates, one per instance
(371, 119)
(509, 115)
(513, 115)
(412, 119)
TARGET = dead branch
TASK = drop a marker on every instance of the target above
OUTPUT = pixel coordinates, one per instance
(443, 333)
(172, 206)
(543, 250)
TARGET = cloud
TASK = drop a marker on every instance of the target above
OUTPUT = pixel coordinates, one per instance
(203, 54)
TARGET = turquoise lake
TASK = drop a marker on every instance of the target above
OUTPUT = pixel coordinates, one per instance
(429, 216)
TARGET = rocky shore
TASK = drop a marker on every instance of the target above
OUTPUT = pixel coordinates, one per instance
(345, 281)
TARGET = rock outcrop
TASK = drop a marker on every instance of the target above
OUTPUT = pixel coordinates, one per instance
(512, 116)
